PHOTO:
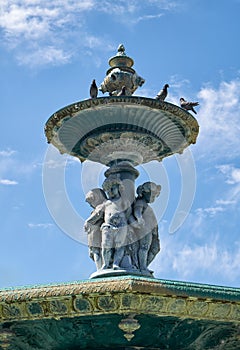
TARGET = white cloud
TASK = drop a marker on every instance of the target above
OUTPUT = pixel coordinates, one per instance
(43, 226)
(219, 120)
(225, 202)
(12, 167)
(177, 82)
(232, 178)
(148, 17)
(232, 173)
(7, 153)
(207, 257)
(211, 211)
(198, 261)
(43, 56)
(41, 32)
(229, 202)
(165, 4)
(236, 176)
(119, 9)
(8, 182)
(130, 12)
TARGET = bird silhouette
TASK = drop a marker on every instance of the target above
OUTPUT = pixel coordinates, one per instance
(122, 92)
(162, 93)
(93, 89)
(188, 106)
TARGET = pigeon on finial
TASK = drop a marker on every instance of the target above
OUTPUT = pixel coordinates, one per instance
(188, 105)
(121, 49)
(122, 92)
(162, 93)
(93, 89)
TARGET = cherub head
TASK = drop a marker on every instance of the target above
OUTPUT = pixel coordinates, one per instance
(113, 186)
(95, 197)
(149, 191)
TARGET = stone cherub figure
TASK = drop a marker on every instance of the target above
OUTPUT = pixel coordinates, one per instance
(144, 241)
(96, 198)
(117, 230)
(107, 225)
(115, 227)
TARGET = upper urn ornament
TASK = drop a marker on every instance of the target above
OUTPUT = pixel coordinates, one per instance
(121, 74)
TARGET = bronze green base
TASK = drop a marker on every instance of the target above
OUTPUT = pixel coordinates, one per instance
(120, 313)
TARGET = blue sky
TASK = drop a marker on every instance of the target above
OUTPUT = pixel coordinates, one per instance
(49, 53)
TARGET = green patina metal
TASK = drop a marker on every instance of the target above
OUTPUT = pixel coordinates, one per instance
(120, 313)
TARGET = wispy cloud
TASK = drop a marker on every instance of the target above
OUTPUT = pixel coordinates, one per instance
(219, 120)
(196, 260)
(7, 153)
(130, 13)
(232, 173)
(8, 182)
(232, 178)
(13, 167)
(40, 225)
(225, 202)
(41, 32)
(208, 257)
(211, 211)
(45, 55)
(148, 17)
(229, 201)
(178, 82)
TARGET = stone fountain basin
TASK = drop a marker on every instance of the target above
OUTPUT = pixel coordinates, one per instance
(132, 128)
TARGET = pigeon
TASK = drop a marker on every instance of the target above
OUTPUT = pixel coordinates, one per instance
(93, 89)
(122, 92)
(188, 105)
(162, 93)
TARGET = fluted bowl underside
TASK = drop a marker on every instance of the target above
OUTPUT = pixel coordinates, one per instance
(134, 128)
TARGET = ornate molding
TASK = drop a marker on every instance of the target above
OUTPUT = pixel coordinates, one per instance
(128, 326)
(121, 296)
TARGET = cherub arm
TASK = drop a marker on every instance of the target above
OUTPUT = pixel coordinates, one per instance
(96, 215)
(138, 208)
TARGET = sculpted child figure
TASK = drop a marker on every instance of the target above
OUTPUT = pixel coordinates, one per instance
(96, 198)
(145, 242)
(115, 226)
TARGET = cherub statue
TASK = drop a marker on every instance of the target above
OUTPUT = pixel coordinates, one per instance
(114, 230)
(96, 198)
(145, 242)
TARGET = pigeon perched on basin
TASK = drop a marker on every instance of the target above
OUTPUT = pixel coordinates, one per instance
(93, 89)
(162, 93)
(188, 105)
(122, 92)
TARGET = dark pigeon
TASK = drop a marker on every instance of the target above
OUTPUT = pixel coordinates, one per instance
(188, 105)
(162, 93)
(93, 89)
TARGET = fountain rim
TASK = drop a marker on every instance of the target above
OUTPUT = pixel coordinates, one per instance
(175, 114)
(74, 108)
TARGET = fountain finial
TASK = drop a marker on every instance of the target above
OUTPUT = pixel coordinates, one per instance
(121, 50)
(121, 74)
